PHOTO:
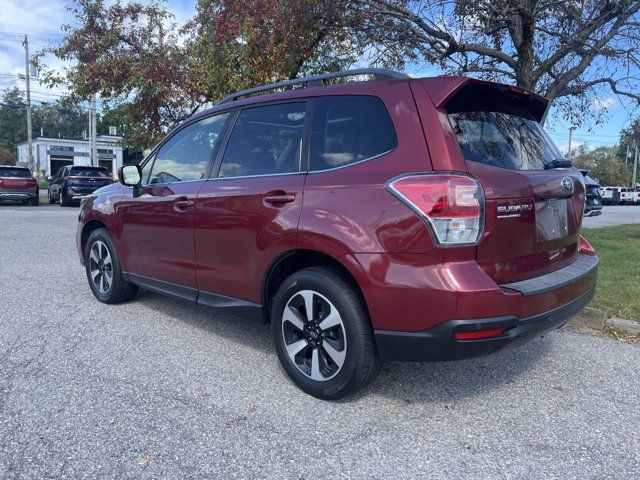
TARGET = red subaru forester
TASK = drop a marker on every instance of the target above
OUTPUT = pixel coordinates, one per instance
(400, 219)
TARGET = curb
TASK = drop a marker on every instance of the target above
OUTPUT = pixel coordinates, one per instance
(595, 319)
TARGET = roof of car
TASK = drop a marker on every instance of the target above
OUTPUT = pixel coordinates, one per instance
(440, 89)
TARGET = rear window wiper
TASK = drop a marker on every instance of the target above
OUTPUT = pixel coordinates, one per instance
(558, 163)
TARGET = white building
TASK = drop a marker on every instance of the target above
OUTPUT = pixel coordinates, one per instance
(55, 153)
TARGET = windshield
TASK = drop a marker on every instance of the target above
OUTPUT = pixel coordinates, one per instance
(503, 140)
(89, 172)
(15, 172)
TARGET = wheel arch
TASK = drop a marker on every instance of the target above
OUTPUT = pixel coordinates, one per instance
(87, 229)
(295, 260)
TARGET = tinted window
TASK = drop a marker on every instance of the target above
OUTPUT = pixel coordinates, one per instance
(348, 129)
(503, 140)
(15, 172)
(186, 154)
(89, 172)
(265, 140)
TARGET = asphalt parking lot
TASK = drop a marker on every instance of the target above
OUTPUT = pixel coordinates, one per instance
(614, 215)
(159, 388)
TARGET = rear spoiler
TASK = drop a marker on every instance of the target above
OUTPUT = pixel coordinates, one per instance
(466, 93)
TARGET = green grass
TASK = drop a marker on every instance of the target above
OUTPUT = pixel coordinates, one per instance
(618, 292)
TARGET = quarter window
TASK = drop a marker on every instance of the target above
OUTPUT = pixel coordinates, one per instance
(186, 154)
(265, 140)
(349, 129)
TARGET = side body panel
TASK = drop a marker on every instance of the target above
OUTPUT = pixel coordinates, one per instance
(348, 209)
(238, 233)
(156, 232)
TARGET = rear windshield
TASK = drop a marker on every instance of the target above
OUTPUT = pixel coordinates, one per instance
(89, 172)
(503, 140)
(15, 172)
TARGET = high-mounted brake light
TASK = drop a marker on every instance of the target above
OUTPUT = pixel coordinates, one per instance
(452, 204)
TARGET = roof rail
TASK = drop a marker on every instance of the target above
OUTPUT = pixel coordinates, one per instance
(315, 81)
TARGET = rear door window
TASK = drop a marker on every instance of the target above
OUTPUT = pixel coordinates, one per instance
(503, 140)
(266, 140)
(349, 129)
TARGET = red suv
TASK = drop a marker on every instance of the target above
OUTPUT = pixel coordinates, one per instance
(400, 219)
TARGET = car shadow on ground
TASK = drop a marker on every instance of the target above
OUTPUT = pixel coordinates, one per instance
(441, 382)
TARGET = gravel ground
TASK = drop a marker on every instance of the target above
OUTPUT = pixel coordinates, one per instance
(614, 215)
(159, 388)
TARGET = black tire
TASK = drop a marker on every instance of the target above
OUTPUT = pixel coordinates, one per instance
(50, 198)
(119, 289)
(361, 362)
(35, 201)
(61, 199)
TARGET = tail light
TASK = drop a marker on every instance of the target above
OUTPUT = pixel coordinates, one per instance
(452, 204)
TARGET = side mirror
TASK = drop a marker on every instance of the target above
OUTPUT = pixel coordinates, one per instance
(130, 176)
(49, 178)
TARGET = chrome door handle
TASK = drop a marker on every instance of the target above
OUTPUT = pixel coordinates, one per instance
(182, 205)
(280, 199)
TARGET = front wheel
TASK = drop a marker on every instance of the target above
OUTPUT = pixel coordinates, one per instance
(322, 333)
(50, 198)
(103, 269)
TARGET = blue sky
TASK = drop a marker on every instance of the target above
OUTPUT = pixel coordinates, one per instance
(42, 20)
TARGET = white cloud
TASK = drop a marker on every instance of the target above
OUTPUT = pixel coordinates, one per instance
(604, 103)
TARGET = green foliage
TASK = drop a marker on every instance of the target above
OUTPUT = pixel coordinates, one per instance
(619, 270)
(6, 157)
(13, 126)
(134, 54)
(603, 164)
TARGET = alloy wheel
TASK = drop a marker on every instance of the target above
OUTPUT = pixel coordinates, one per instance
(314, 335)
(101, 267)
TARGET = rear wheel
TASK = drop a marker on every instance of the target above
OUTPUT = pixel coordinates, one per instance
(103, 269)
(35, 201)
(61, 200)
(51, 199)
(322, 334)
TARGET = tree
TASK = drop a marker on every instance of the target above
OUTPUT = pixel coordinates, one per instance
(603, 164)
(13, 125)
(128, 53)
(572, 52)
(136, 55)
(63, 118)
(235, 45)
(629, 139)
(6, 157)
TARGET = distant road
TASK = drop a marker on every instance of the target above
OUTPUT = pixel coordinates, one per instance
(614, 215)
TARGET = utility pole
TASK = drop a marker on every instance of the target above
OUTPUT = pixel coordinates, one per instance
(571, 129)
(27, 78)
(626, 157)
(634, 182)
(93, 131)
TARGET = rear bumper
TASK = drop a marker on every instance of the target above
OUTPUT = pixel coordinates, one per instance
(17, 195)
(439, 344)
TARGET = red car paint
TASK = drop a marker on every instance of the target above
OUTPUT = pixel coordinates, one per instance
(223, 236)
(17, 183)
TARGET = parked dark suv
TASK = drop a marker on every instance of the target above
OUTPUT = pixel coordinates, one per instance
(593, 196)
(402, 219)
(18, 184)
(72, 183)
